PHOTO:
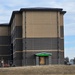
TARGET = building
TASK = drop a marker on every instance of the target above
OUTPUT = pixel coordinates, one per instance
(34, 36)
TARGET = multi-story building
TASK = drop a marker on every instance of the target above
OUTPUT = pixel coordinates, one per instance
(34, 36)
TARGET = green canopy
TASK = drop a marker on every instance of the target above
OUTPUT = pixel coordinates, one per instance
(43, 54)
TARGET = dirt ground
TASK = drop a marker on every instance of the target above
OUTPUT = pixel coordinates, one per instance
(39, 70)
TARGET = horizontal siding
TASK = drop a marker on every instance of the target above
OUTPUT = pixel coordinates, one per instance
(41, 44)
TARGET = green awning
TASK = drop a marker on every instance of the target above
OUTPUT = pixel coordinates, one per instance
(43, 54)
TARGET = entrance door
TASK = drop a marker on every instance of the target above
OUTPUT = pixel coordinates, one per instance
(42, 60)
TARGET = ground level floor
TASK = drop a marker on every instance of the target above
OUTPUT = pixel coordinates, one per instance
(27, 58)
(40, 58)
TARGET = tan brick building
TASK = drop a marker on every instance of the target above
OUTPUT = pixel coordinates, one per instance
(34, 36)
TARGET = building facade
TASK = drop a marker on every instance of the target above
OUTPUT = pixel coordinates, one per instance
(34, 36)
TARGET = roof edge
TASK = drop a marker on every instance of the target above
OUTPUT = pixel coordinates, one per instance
(35, 9)
(4, 24)
(63, 12)
(41, 9)
(12, 16)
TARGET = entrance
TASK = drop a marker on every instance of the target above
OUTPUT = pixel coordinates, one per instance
(43, 58)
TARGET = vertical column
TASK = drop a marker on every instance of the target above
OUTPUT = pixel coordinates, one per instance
(23, 25)
(61, 39)
(37, 60)
(50, 60)
(58, 37)
(24, 36)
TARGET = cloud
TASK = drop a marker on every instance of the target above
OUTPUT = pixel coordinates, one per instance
(70, 49)
(69, 52)
(70, 42)
(7, 6)
(69, 29)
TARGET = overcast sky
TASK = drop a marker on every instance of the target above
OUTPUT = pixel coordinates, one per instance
(7, 6)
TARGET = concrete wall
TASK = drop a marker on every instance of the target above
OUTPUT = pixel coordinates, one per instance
(16, 40)
(33, 32)
(41, 24)
(43, 31)
(5, 43)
